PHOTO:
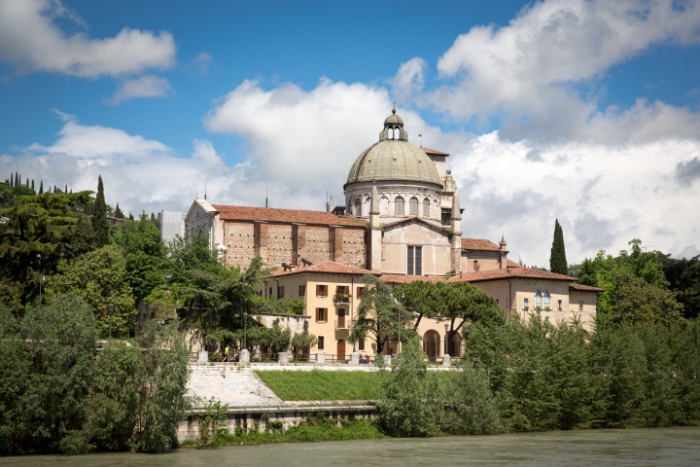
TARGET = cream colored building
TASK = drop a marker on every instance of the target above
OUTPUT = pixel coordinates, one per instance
(402, 221)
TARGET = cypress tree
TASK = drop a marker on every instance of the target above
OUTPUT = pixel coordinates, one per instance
(41, 187)
(32, 183)
(557, 257)
(99, 218)
(118, 213)
(131, 216)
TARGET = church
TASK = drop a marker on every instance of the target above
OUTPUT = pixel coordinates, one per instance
(402, 222)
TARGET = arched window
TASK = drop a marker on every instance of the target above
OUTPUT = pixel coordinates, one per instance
(358, 207)
(413, 206)
(476, 266)
(426, 207)
(398, 206)
(390, 133)
(547, 300)
(538, 299)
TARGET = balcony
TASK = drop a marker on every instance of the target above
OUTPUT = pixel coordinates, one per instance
(341, 298)
(342, 324)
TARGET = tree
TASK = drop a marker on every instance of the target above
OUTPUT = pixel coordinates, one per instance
(302, 343)
(32, 242)
(420, 298)
(144, 252)
(382, 317)
(467, 303)
(683, 276)
(638, 302)
(557, 257)
(118, 213)
(99, 218)
(410, 404)
(41, 187)
(99, 277)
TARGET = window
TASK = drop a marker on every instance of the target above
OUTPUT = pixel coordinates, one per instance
(498, 302)
(538, 299)
(398, 206)
(321, 315)
(321, 343)
(580, 305)
(476, 265)
(269, 295)
(413, 206)
(559, 304)
(280, 292)
(547, 300)
(342, 290)
(361, 345)
(526, 303)
(360, 293)
(426, 207)
(302, 290)
(321, 290)
(415, 261)
(358, 207)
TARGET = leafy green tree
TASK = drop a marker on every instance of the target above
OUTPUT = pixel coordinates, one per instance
(410, 404)
(138, 397)
(382, 317)
(302, 343)
(33, 240)
(144, 252)
(83, 239)
(467, 303)
(45, 379)
(638, 302)
(683, 276)
(99, 277)
(99, 218)
(118, 213)
(220, 299)
(474, 409)
(282, 306)
(557, 256)
(420, 298)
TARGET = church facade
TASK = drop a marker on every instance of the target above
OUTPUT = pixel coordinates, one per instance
(401, 221)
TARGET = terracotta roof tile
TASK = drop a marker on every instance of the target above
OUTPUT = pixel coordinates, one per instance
(248, 213)
(585, 288)
(434, 151)
(479, 244)
(513, 264)
(404, 279)
(324, 267)
(510, 273)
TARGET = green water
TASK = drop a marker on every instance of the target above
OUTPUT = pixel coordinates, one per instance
(638, 448)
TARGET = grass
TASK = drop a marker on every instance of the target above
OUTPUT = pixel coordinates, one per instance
(323, 429)
(319, 385)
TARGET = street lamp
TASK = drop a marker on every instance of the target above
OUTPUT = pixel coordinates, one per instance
(354, 334)
(447, 327)
(110, 310)
(245, 328)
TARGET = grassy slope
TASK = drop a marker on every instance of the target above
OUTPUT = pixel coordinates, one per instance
(322, 385)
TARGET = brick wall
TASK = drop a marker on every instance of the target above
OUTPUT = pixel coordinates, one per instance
(239, 240)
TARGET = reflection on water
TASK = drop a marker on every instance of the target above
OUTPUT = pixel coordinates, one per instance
(639, 448)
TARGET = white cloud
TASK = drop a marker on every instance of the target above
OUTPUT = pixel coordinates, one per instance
(144, 86)
(409, 79)
(525, 71)
(30, 39)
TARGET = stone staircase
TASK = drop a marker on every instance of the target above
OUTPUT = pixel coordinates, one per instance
(229, 384)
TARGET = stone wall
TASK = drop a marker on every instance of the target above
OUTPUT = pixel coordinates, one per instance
(281, 243)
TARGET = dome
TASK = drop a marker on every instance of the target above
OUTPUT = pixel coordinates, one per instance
(393, 158)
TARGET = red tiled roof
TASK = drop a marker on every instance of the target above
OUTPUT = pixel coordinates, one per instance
(324, 267)
(404, 279)
(248, 213)
(585, 288)
(510, 273)
(434, 151)
(479, 244)
(513, 264)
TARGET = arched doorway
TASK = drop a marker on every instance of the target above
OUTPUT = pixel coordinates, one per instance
(454, 344)
(431, 344)
(341, 350)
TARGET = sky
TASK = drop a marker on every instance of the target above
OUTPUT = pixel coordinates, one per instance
(583, 111)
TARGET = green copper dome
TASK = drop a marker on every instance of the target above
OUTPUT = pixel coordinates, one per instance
(393, 158)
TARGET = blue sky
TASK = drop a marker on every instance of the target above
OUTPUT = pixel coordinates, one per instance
(582, 111)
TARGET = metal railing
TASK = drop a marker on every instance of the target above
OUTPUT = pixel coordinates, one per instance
(345, 324)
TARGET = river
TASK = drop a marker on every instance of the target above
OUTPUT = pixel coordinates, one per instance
(638, 448)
